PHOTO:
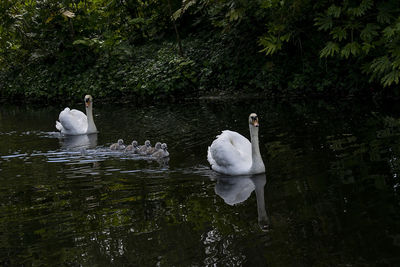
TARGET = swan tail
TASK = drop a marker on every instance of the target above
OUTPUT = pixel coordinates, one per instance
(59, 126)
(209, 157)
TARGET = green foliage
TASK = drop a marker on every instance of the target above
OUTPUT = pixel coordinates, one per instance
(330, 49)
(129, 76)
(273, 43)
(367, 31)
(55, 48)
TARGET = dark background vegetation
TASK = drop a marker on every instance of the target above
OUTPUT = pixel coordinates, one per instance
(133, 50)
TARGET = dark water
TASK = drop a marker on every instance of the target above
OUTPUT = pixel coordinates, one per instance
(330, 196)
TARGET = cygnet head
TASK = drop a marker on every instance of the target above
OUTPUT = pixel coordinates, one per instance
(134, 143)
(164, 146)
(147, 143)
(120, 142)
(88, 100)
(158, 145)
(253, 120)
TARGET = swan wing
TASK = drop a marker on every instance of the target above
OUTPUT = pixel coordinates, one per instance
(73, 121)
(230, 153)
(59, 126)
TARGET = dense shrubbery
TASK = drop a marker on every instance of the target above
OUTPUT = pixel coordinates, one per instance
(151, 71)
(128, 49)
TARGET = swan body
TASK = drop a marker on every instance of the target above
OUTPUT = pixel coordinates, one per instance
(133, 148)
(162, 152)
(75, 122)
(151, 150)
(118, 146)
(233, 154)
(143, 149)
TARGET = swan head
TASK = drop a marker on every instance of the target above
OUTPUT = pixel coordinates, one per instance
(120, 142)
(158, 145)
(88, 100)
(253, 120)
(147, 143)
(164, 146)
(134, 143)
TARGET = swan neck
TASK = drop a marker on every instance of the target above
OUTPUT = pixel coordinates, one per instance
(257, 162)
(255, 147)
(91, 126)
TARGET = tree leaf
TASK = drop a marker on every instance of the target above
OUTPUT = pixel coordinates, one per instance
(366, 47)
(381, 64)
(383, 16)
(271, 44)
(329, 50)
(339, 33)
(369, 32)
(334, 11)
(68, 14)
(389, 32)
(324, 23)
(390, 78)
(350, 48)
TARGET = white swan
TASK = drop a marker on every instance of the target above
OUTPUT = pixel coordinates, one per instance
(152, 150)
(162, 152)
(233, 154)
(75, 122)
(118, 146)
(133, 148)
(143, 149)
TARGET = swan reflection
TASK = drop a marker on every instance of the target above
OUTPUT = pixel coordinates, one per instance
(234, 190)
(78, 141)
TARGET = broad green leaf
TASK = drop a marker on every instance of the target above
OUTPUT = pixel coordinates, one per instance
(350, 48)
(334, 11)
(324, 23)
(381, 64)
(390, 78)
(361, 9)
(369, 32)
(366, 47)
(329, 50)
(271, 44)
(285, 37)
(383, 16)
(396, 63)
(339, 33)
(388, 32)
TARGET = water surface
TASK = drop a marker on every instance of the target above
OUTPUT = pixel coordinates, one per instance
(330, 195)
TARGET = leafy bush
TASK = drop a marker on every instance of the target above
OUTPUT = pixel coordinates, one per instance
(127, 49)
(366, 30)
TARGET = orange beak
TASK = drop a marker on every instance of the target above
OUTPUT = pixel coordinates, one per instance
(255, 123)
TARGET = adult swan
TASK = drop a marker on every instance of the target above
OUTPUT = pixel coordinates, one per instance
(232, 153)
(75, 122)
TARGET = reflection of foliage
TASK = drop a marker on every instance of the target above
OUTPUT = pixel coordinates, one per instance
(380, 151)
(337, 197)
(331, 171)
(95, 221)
